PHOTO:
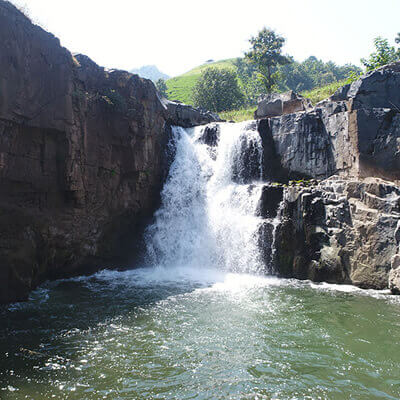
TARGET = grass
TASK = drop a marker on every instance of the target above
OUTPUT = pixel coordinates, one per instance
(181, 87)
(243, 114)
(318, 94)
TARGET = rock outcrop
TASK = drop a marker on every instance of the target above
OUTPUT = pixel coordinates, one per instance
(187, 116)
(345, 228)
(81, 158)
(276, 104)
(340, 231)
(355, 133)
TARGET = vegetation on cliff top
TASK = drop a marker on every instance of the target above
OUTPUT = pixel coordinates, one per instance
(243, 114)
(297, 76)
(318, 94)
(265, 69)
(383, 54)
(315, 95)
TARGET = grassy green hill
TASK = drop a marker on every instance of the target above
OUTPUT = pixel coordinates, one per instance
(181, 87)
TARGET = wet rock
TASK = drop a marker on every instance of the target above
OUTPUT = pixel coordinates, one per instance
(271, 197)
(266, 244)
(210, 135)
(302, 145)
(272, 169)
(248, 158)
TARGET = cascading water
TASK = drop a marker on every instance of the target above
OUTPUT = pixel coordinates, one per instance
(209, 202)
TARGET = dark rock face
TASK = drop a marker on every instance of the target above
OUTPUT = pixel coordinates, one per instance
(377, 89)
(271, 197)
(82, 159)
(272, 168)
(302, 145)
(266, 243)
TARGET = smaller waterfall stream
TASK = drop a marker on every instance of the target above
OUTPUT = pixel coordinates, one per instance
(208, 216)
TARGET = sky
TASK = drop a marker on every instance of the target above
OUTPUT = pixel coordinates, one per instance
(177, 35)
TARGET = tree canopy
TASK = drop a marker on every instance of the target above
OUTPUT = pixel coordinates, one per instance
(297, 76)
(266, 54)
(162, 87)
(383, 54)
(218, 90)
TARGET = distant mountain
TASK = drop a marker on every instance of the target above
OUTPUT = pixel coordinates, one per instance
(150, 72)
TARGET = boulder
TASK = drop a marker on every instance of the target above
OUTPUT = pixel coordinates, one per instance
(276, 104)
(377, 89)
(187, 116)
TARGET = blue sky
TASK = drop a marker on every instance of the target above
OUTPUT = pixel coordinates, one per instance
(177, 35)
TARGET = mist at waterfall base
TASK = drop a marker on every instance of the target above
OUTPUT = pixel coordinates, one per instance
(202, 319)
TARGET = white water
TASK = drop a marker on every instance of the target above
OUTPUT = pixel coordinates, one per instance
(208, 214)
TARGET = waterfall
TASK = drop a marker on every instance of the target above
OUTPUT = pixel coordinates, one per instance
(208, 217)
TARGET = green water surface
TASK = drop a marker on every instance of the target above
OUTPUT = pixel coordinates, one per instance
(176, 334)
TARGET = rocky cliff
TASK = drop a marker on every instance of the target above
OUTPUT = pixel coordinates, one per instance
(82, 158)
(345, 226)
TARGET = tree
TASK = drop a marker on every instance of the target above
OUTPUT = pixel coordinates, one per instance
(247, 74)
(384, 54)
(311, 73)
(217, 90)
(162, 87)
(266, 54)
